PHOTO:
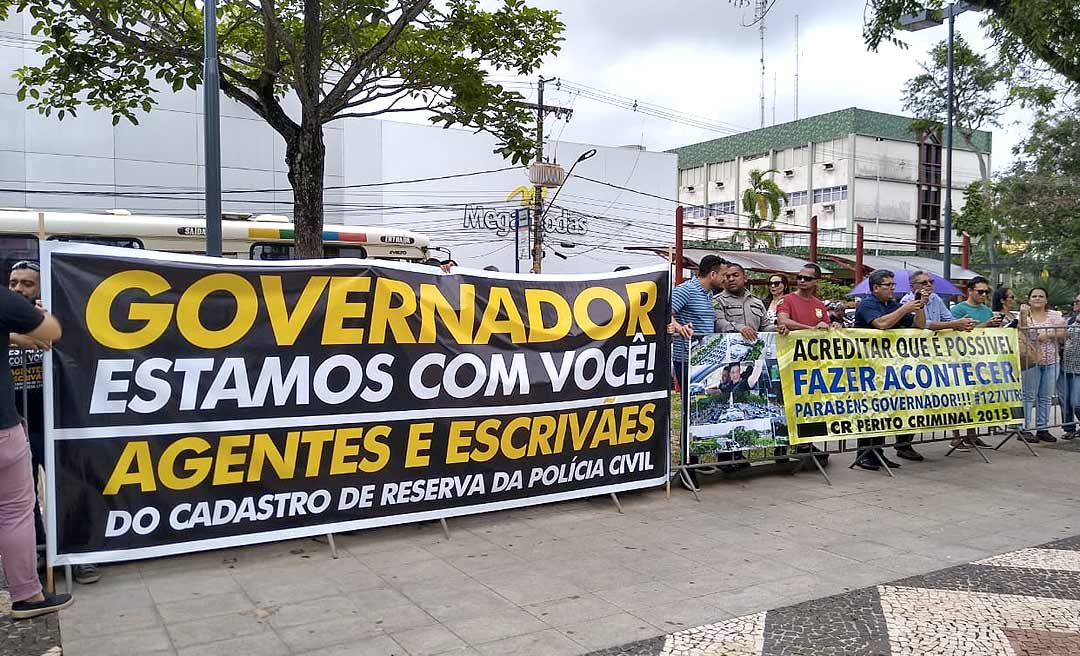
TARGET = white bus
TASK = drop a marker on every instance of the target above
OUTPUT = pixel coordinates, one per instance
(264, 237)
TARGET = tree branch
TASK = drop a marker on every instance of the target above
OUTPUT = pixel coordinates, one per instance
(409, 11)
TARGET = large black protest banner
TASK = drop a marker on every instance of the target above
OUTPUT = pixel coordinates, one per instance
(196, 403)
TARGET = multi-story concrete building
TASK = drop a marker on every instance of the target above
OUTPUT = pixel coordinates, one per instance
(848, 167)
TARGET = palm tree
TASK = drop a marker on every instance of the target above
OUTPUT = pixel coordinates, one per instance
(761, 198)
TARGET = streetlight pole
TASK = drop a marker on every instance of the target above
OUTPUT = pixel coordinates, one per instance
(950, 98)
(211, 129)
(921, 21)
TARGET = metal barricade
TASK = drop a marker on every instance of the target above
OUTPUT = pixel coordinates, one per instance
(1050, 375)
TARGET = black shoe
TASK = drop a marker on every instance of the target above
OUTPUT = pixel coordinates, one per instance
(979, 443)
(908, 453)
(867, 464)
(1045, 436)
(86, 574)
(24, 610)
(1069, 436)
(1028, 437)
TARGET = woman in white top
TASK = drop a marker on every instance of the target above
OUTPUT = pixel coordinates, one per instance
(778, 286)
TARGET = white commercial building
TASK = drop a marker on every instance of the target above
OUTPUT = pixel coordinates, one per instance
(86, 164)
(850, 167)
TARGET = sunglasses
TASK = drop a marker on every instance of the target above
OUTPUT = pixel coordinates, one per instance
(887, 285)
(805, 278)
(775, 283)
(981, 292)
(26, 264)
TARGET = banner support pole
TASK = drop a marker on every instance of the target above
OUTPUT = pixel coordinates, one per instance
(333, 546)
(881, 459)
(618, 506)
(445, 527)
(820, 469)
(1011, 435)
(978, 450)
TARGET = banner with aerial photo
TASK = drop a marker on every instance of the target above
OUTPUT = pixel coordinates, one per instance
(196, 403)
(734, 399)
(840, 384)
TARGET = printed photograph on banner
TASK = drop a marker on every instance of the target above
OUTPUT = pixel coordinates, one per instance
(735, 399)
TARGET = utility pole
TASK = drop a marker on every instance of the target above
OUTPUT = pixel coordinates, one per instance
(796, 67)
(212, 129)
(538, 189)
(759, 15)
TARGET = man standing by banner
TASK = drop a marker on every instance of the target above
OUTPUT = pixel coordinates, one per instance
(738, 310)
(803, 310)
(17, 552)
(25, 279)
(692, 311)
(883, 312)
(938, 317)
(977, 305)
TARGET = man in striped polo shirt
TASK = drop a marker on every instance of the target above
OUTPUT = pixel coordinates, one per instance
(692, 312)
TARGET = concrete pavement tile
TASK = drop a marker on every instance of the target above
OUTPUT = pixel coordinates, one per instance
(204, 606)
(426, 570)
(358, 579)
(860, 550)
(496, 626)
(465, 606)
(682, 615)
(571, 610)
(524, 588)
(126, 642)
(263, 644)
(379, 597)
(428, 641)
(190, 585)
(213, 629)
(83, 619)
(603, 577)
(270, 590)
(397, 618)
(327, 633)
(312, 610)
(380, 645)
(381, 561)
(643, 595)
(610, 631)
(542, 643)
(487, 560)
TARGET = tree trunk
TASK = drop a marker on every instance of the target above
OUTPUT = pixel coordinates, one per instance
(305, 156)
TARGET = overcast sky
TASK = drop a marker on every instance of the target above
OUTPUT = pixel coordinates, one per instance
(695, 56)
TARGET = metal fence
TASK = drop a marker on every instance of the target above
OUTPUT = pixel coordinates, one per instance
(1050, 380)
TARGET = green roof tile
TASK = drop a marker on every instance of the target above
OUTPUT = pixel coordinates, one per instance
(814, 128)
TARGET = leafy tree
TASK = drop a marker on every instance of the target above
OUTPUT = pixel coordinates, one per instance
(1042, 36)
(761, 198)
(1037, 197)
(337, 59)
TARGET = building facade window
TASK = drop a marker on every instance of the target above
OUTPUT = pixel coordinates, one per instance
(830, 194)
(795, 198)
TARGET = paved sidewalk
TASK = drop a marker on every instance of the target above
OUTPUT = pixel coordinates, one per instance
(577, 577)
(1024, 603)
(37, 637)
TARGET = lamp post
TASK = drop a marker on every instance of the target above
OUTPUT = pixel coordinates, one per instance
(212, 129)
(922, 20)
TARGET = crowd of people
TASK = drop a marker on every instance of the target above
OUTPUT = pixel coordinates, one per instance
(717, 300)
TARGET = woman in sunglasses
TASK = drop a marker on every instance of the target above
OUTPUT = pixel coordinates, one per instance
(1003, 305)
(778, 286)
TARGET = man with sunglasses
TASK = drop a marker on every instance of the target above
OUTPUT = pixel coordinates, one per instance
(883, 312)
(938, 317)
(27, 353)
(977, 305)
(803, 310)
